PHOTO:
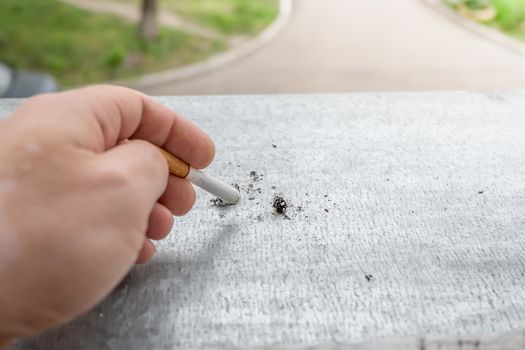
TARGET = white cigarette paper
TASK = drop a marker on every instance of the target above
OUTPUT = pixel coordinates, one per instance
(221, 190)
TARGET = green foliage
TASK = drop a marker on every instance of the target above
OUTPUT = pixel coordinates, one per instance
(225, 16)
(477, 4)
(228, 16)
(80, 47)
(115, 57)
(510, 14)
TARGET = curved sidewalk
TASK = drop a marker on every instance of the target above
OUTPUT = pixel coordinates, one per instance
(355, 45)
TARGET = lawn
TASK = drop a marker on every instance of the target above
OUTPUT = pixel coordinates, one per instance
(225, 16)
(509, 15)
(79, 47)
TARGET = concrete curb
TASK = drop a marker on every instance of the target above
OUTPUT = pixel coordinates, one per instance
(216, 61)
(490, 34)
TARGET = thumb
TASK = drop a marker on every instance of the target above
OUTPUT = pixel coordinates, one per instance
(141, 168)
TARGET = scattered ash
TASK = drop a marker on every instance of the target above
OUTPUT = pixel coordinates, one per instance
(279, 204)
(252, 189)
(256, 177)
(217, 202)
(369, 278)
(282, 206)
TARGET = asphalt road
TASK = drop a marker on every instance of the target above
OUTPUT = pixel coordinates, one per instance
(356, 45)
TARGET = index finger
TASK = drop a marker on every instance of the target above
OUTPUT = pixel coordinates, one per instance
(111, 114)
(181, 137)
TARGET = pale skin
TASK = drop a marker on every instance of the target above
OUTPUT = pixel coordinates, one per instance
(83, 192)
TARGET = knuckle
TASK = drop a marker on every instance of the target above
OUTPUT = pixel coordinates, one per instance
(115, 176)
(141, 167)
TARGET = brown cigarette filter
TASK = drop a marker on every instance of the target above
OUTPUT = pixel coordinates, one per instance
(177, 167)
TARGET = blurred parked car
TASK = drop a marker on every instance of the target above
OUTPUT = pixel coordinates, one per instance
(21, 83)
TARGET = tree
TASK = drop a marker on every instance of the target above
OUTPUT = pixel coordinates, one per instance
(148, 21)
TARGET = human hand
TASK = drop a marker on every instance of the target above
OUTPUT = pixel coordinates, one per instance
(82, 193)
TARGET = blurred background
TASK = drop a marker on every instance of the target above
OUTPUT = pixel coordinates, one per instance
(168, 47)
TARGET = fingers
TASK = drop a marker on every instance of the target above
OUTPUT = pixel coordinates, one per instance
(147, 252)
(178, 199)
(179, 196)
(140, 169)
(161, 218)
(99, 117)
(182, 138)
(160, 222)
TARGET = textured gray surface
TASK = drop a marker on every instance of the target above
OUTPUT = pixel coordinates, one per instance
(425, 192)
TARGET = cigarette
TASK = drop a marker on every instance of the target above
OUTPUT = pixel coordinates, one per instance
(208, 183)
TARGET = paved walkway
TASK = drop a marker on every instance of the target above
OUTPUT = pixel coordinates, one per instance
(356, 45)
(131, 13)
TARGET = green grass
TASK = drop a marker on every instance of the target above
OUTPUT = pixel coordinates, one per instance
(79, 47)
(225, 16)
(510, 17)
(510, 14)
